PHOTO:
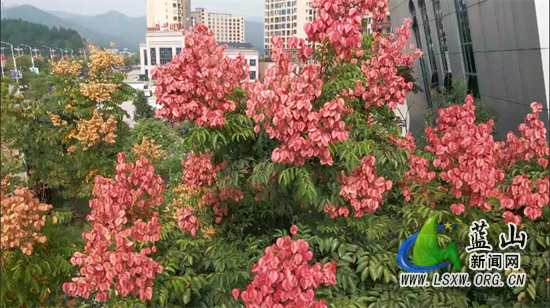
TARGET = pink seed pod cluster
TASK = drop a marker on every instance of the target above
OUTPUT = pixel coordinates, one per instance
(474, 166)
(363, 188)
(531, 144)
(384, 86)
(339, 21)
(284, 104)
(22, 219)
(197, 84)
(199, 171)
(122, 213)
(285, 279)
(216, 199)
(188, 222)
(467, 154)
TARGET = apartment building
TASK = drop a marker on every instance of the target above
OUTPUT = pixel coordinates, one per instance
(500, 47)
(385, 25)
(163, 12)
(286, 19)
(227, 27)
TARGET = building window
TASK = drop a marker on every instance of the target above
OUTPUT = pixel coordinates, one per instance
(467, 49)
(153, 56)
(145, 56)
(429, 42)
(165, 55)
(252, 75)
(178, 50)
(252, 62)
(445, 59)
(423, 70)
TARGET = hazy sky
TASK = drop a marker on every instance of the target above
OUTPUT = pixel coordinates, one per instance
(249, 8)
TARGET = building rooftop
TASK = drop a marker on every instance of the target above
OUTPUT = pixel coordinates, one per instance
(237, 45)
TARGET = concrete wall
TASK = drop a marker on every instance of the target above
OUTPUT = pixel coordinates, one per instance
(510, 43)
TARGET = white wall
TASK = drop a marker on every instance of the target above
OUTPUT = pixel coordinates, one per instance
(542, 7)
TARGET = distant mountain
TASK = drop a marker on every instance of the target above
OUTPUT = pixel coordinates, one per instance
(16, 32)
(113, 26)
(131, 29)
(254, 34)
(64, 15)
(32, 14)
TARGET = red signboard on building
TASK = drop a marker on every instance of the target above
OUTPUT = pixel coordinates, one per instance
(166, 26)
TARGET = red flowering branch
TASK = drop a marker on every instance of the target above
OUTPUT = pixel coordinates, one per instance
(474, 166)
(216, 199)
(22, 219)
(199, 171)
(285, 279)
(339, 22)
(363, 188)
(121, 214)
(196, 85)
(284, 103)
(187, 221)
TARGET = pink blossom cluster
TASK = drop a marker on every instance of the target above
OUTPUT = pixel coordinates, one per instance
(520, 195)
(336, 211)
(285, 279)
(216, 198)
(532, 143)
(188, 222)
(419, 175)
(258, 187)
(467, 154)
(22, 219)
(285, 104)
(511, 217)
(121, 214)
(384, 85)
(199, 171)
(363, 188)
(474, 165)
(339, 21)
(196, 85)
(404, 143)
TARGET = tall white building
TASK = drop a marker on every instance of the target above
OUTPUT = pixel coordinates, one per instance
(227, 27)
(286, 19)
(161, 12)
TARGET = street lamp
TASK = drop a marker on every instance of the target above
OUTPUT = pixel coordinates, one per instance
(51, 56)
(61, 50)
(14, 63)
(36, 52)
(84, 52)
(32, 58)
(18, 49)
(70, 50)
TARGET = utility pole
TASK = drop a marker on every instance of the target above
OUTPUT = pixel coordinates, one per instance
(30, 50)
(14, 63)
